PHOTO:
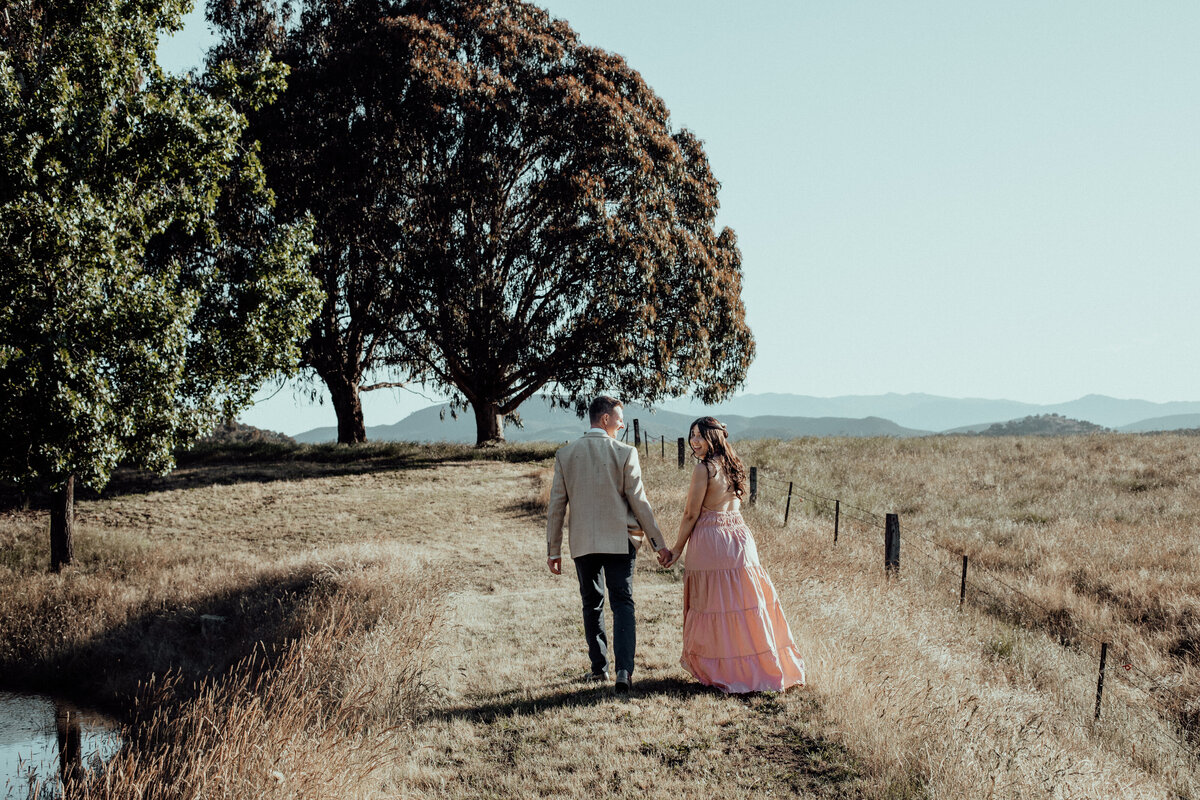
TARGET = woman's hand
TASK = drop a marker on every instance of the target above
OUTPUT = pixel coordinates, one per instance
(673, 557)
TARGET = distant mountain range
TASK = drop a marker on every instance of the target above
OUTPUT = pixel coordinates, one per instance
(786, 416)
(934, 413)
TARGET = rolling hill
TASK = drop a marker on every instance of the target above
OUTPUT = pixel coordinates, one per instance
(1171, 423)
(1041, 425)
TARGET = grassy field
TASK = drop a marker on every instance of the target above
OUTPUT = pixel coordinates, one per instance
(1089, 538)
(379, 622)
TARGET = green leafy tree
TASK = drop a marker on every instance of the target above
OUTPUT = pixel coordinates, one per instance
(332, 150)
(148, 290)
(512, 205)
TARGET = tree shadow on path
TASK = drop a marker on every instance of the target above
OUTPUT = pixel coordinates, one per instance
(231, 464)
(570, 694)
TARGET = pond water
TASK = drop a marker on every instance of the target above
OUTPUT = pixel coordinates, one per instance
(40, 737)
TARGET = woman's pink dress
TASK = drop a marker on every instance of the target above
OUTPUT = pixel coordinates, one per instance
(735, 636)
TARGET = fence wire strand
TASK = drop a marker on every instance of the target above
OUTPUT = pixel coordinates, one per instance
(1123, 659)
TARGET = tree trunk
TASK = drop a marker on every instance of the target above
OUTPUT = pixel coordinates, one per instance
(62, 526)
(348, 406)
(489, 423)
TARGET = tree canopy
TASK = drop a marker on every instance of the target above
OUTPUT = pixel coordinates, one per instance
(149, 289)
(565, 234)
(333, 150)
(507, 209)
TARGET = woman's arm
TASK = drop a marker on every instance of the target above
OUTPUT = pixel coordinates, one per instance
(691, 509)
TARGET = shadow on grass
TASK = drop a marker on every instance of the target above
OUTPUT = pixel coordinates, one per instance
(529, 508)
(190, 640)
(264, 462)
(784, 745)
(570, 694)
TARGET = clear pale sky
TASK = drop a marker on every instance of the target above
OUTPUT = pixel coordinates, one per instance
(960, 198)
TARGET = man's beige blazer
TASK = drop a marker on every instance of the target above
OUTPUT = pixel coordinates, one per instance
(601, 479)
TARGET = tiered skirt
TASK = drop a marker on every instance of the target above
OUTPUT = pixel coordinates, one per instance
(735, 636)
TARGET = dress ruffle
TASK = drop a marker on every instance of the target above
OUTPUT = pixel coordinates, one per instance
(735, 635)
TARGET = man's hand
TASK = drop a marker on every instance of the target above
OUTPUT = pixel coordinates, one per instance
(555, 565)
(664, 557)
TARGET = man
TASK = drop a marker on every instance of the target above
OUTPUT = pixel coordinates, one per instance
(601, 479)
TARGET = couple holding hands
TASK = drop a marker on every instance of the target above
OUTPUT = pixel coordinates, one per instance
(735, 636)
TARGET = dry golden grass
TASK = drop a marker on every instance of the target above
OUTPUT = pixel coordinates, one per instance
(314, 717)
(390, 629)
(258, 627)
(1098, 531)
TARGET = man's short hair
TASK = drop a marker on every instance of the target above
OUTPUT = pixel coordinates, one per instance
(602, 405)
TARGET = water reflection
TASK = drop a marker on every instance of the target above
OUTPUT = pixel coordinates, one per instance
(70, 743)
(45, 744)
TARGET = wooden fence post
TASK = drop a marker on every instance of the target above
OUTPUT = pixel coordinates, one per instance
(787, 508)
(962, 589)
(70, 747)
(891, 546)
(680, 452)
(663, 453)
(637, 433)
(753, 484)
(1100, 680)
(837, 516)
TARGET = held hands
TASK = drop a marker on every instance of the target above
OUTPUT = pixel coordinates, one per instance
(555, 565)
(667, 558)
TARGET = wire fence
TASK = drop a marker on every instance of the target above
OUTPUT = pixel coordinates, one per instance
(1014, 604)
(972, 582)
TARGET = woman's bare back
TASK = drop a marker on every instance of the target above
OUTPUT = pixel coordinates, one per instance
(718, 496)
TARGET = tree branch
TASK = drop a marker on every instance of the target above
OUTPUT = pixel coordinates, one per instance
(383, 385)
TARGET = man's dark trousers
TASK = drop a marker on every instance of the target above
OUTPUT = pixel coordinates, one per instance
(595, 571)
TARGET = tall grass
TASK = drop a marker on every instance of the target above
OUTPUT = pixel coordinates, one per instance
(314, 712)
(988, 701)
(1096, 533)
(315, 717)
(242, 654)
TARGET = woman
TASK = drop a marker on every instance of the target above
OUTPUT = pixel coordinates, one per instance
(735, 636)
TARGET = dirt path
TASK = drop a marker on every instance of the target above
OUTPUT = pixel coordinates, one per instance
(515, 721)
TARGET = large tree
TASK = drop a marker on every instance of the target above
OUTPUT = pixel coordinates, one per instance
(147, 288)
(563, 235)
(332, 149)
(513, 204)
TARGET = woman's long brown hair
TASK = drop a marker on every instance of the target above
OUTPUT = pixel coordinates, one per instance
(721, 452)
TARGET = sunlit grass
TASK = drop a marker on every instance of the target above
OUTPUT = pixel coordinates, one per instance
(1099, 533)
(303, 623)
